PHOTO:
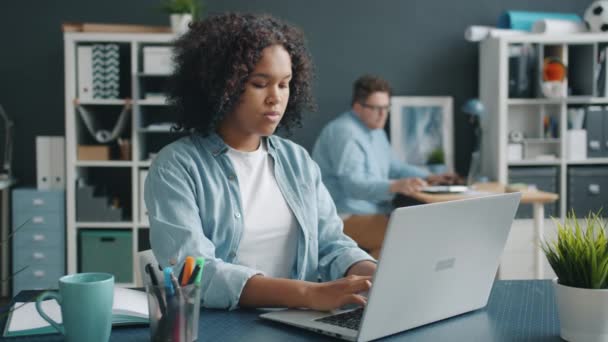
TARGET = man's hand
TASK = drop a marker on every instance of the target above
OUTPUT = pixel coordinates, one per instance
(407, 186)
(338, 293)
(448, 178)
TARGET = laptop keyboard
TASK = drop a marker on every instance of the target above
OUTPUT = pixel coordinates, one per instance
(349, 320)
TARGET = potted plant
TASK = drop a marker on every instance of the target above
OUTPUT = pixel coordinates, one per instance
(435, 161)
(182, 13)
(579, 258)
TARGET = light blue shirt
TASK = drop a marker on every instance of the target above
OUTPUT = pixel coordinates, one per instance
(193, 200)
(358, 164)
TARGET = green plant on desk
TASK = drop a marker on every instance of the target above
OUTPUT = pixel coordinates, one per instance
(436, 156)
(579, 258)
(3, 311)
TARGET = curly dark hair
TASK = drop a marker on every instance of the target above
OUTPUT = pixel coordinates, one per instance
(214, 59)
(365, 85)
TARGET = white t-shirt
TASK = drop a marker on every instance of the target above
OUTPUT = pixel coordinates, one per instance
(270, 233)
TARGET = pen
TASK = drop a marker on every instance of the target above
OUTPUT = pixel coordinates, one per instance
(187, 270)
(159, 296)
(177, 318)
(200, 261)
(170, 291)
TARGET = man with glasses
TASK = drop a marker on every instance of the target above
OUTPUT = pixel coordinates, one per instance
(359, 167)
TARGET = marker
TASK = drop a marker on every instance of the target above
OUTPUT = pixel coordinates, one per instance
(187, 270)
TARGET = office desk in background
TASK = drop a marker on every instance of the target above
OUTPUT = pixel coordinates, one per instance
(518, 310)
(538, 199)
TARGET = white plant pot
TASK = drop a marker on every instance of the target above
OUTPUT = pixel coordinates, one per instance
(179, 23)
(583, 313)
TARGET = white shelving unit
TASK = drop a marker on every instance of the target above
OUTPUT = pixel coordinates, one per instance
(503, 114)
(143, 112)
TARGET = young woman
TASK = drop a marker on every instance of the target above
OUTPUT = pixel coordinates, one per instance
(251, 203)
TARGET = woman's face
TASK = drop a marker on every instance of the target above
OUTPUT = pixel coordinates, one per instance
(262, 104)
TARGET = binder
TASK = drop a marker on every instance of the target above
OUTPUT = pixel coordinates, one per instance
(50, 162)
(85, 72)
(595, 128)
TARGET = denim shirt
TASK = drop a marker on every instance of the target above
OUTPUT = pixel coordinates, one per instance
(194, 206)
(358, 165)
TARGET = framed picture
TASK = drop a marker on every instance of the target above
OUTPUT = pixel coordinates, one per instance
(422, 131)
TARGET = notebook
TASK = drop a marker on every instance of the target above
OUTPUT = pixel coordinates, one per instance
(129, 307)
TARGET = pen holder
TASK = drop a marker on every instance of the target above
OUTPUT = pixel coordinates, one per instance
(174, 317)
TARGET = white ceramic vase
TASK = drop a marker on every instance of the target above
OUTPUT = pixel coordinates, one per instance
(583, 313)
(179, 23)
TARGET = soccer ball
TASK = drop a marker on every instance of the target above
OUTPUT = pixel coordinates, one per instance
(596, 16)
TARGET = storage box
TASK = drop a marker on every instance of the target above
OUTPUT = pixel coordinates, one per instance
(108, 251)
(588, 189)
(93, 152)
(157, 60)
(515, 152)
(543, 178)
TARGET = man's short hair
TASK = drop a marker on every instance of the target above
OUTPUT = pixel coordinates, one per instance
(366, 85)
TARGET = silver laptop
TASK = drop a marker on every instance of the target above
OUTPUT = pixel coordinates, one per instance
(438, 260)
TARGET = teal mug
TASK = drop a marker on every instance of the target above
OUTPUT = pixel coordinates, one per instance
(86, 306)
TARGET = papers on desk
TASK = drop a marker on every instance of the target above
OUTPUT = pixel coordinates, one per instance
(130, 307)
(445, 189)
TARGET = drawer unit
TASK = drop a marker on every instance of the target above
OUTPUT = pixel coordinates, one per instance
(39, 242)
(106, 250)
(544, 178)
(588, 189)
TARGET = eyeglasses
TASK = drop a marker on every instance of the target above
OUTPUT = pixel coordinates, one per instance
(378, 109)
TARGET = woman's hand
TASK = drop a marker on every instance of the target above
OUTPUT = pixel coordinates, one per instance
(335, 294)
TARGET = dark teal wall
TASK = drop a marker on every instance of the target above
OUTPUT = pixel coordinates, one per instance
(417, 45)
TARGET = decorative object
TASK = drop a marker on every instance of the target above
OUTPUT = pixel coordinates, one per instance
(421, 125)
(579, 258)
(553, 77)
(182, 13)
(596, 16)
(524, 20)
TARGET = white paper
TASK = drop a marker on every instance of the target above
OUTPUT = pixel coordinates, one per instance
(26, 317)
(126, 302)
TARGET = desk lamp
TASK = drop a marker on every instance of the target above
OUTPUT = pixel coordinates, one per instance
(8, 145)
(475, 111)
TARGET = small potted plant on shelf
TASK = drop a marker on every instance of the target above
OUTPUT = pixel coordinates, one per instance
(182, 13)
(579, 257)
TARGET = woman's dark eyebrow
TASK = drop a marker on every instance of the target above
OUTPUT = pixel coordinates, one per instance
(266, 76)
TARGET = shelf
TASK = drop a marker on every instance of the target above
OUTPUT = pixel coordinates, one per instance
(533, 101)
(102, 102)
(144, 74)
(143, 225)
(156, 130)
(557, 101)
(104, 163)
(533, 162)
(104, 225)
(145, 163)
(542, 141)
(152, 102)
(588, 161)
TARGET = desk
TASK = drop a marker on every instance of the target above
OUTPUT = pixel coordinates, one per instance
(518, 310)
(5, 184)
(538, 199)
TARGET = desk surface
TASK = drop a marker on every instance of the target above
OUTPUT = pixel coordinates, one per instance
(483, 189)
(518, 310)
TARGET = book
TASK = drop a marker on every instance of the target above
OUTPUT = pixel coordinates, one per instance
(130, 307)
(114, 28)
